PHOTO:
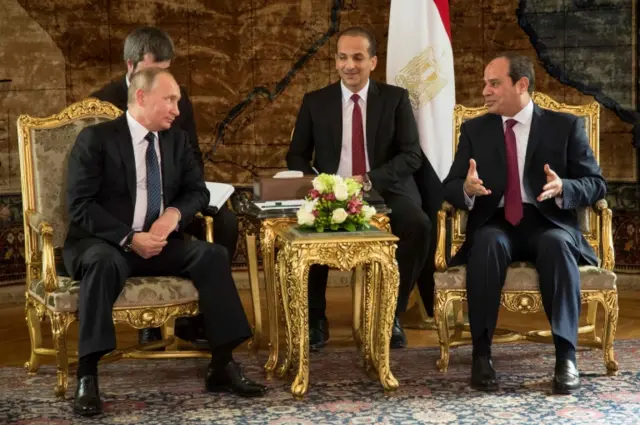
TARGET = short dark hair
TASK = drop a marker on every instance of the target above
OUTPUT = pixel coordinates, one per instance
(148, 40)
(143, 80)
(520, 66)
(362, 32)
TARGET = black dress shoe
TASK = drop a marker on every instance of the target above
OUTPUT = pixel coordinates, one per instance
(483, 375)
(398, 338)
(230, 378)
(318, 333)
(149, 335)
(566, 379)
(87, 400)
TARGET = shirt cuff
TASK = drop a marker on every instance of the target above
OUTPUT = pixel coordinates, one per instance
(559, 201)
(469, 201)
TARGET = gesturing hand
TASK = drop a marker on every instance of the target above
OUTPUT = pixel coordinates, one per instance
(472, 184)
(553, 187)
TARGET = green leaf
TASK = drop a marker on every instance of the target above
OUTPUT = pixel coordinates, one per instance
(319, 229)
(334, 226)
(350, 227)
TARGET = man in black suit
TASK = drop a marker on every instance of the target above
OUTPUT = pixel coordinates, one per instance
(366, 130)
(522, 171)
(151, 47)
(133, 185)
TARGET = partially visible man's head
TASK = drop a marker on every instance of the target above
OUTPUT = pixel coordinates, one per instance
(356, 57)
(509, 80)
(153, 98)
(148, 47)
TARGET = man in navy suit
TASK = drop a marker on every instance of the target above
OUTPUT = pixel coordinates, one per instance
(522, 171)
(150, 47)
(133, 186)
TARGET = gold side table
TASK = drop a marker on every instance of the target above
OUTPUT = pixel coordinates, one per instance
(375, 251)
(261, 226)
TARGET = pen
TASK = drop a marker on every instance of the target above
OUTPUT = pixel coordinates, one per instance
(314, 170)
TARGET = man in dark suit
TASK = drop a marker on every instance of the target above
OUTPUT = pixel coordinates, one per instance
(133, 185)
(366, 130)
(151, 47)
(522, 171)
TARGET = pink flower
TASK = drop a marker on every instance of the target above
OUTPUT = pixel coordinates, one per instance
(315, 213)
(330, 197)
(354, 206)
(314, 194)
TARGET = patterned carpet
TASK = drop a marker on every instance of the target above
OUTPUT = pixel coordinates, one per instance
(171, 392)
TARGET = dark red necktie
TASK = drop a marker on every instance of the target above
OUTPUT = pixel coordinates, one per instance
(358, 158)
(512, 194)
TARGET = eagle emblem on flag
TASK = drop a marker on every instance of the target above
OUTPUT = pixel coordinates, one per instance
(422, 78)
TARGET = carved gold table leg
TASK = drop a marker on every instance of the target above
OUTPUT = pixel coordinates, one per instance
(357, 285)
(387, 305)
(299, 269)
(267, 245)
(252, 262)
(283, 281)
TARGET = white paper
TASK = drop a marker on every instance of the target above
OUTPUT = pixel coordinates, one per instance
(219, 193)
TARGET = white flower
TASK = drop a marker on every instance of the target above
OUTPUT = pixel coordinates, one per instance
(305, 213)
(341, 191)
(339, 216)
(368, 211)
(319, 184)
(305, 218)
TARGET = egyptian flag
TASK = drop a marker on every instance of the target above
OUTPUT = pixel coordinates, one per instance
(420, 59)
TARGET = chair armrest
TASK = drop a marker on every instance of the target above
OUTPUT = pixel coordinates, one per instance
(441, 248)
(45, 230)
(601, 208)
(36, 221)
(207, 224)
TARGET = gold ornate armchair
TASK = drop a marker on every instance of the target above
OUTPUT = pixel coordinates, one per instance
(44, 145)
(521, 290)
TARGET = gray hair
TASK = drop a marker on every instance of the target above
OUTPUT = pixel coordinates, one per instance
(148, 40)
(143, 80)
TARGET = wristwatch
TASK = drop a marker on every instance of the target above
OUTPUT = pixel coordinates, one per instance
(366, 183)
(128, 242)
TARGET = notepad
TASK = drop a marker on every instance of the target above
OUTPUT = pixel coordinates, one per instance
(218, 194)
(288, 204)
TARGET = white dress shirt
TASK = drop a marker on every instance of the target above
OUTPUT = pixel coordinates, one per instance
(345, 167)
(138, 131)
(521, 130)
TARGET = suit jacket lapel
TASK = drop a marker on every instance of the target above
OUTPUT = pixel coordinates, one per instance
(496, 135)
(335, 119)
(168, 166)
(125, 146)
(374, 110)
(534, 136)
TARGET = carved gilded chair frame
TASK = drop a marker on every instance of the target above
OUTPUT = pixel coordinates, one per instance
(41, 260)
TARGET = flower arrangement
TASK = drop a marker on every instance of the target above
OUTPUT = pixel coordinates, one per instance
(335, 204)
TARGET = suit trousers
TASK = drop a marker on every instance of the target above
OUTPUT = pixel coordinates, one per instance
(103, 269)
(552, 250)
(413, 228)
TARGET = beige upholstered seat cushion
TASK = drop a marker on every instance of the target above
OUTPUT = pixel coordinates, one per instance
(524, 277)
(138, 292)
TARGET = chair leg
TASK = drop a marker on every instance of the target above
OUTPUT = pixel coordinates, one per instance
(440, 316)
(610, 305)
(169, 331)
(35, 335)
(592, 312)
(59, 325)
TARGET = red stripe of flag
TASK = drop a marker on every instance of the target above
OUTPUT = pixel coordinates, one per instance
(443, 8)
